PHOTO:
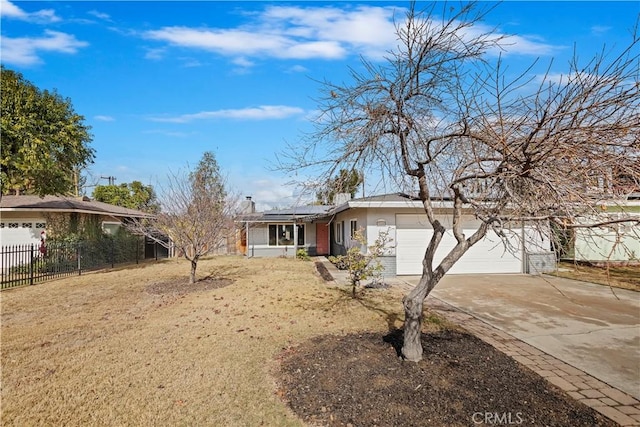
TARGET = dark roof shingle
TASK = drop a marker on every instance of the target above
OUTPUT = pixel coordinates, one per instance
(65, 204)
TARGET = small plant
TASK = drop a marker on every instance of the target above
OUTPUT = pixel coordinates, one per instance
(360, 265)
(338, 261)
(303, 255)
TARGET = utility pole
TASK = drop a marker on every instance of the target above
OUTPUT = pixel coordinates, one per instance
(112, 179)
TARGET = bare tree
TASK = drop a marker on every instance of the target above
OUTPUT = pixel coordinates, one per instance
(442, 116)
(197, 213)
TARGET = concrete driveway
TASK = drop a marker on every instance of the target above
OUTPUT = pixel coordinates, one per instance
(582, 324)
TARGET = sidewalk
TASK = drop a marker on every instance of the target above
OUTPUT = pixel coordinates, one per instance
(610, 401)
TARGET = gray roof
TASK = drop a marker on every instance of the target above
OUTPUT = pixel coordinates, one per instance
(392, 197)
(300, 210)
(302, 213)
(66, 204)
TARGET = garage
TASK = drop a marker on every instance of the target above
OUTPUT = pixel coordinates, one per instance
(21, 231)
(413, 233)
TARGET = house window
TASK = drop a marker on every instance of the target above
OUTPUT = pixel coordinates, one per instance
(339, 234)
(26, 225)
(1, 224)
(41, 225)
(282, 234)
(354, 228)
(13, 225)
(110, 227)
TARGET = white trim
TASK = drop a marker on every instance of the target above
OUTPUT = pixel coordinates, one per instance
(352, 230)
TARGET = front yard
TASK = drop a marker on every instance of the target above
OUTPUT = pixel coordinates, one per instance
(260, 342)
(113, 349)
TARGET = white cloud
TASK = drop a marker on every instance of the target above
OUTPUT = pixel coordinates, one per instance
(10, 10)
(526, 46)
(100, 15)
(268, 192)
(104, 118)
(363, 30)
(243, 62)
(26, 50)
(599, 30)
(190, 62)
(263, 112)
(239, 42)
(291, 32)
(155, 54)
(297, 69)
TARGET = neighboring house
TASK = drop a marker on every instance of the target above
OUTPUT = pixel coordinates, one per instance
(615, 243)
(281, 232)
(24, 218)
(403, 217)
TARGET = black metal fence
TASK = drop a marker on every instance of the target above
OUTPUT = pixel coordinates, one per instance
(31, 263)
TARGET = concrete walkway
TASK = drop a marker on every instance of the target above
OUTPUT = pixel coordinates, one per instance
(579, 336)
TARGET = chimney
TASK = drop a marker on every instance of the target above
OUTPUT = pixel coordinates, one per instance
(248, 206)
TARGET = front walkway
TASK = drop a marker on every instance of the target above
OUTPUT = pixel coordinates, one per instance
(575, 332)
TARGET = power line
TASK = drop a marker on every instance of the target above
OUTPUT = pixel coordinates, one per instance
(112, 179)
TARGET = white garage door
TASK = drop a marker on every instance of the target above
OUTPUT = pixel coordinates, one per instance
(20, 231)
(487, 256)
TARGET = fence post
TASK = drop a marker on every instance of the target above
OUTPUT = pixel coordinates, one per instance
(31, 266)
(78, 254)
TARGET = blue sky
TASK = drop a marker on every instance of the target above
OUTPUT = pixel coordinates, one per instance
(162, 82)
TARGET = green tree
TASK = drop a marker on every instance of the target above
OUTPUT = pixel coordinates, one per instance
(347, 181)
(44, 141)
(134, 195)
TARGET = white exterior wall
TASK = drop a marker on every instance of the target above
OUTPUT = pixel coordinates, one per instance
(622, 244)
(378, 221)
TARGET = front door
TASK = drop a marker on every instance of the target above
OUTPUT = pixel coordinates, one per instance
(322, 239)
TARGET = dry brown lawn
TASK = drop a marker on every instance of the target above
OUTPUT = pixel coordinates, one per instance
(624, 277)
(111, 348)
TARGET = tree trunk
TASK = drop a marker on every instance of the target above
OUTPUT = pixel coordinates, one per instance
(412, 345)
(192, 275)
(413, 304)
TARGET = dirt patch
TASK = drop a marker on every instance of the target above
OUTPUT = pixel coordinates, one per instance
(183, 287)
(359, 380)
